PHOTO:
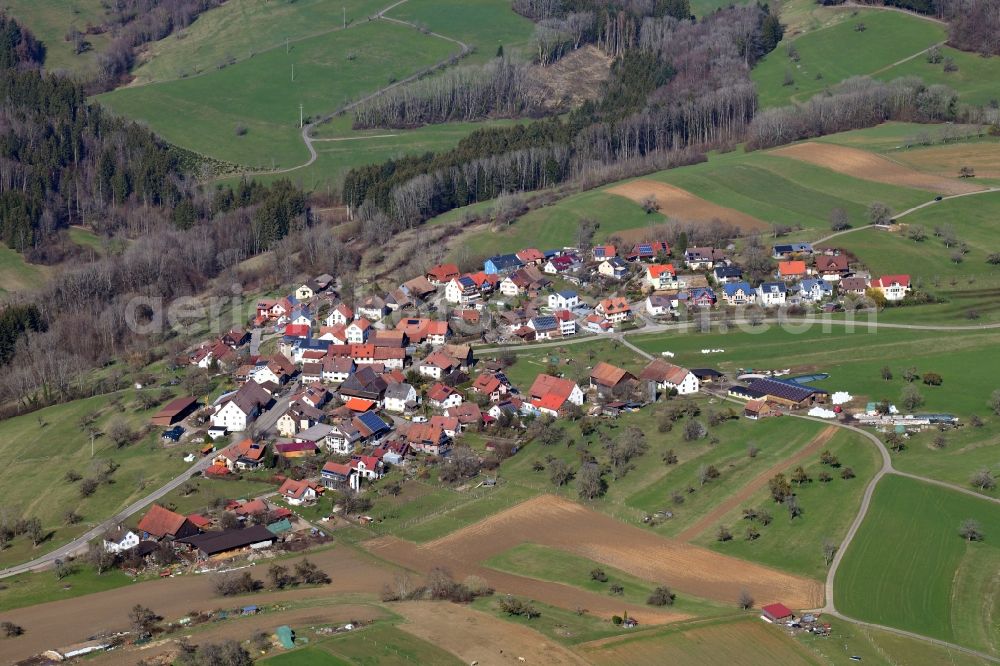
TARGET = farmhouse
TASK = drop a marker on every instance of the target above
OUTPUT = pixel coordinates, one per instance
(365, 383)
(160, 523)
(438, 365)
(670, 377)
(549, 395)
(759, 409)
(609, 378)
(120, 539)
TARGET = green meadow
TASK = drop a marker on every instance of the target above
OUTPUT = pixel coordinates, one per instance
(909, 568)
(975, 80)
(51, 20)
(243, 29)
(42, 447)
(828, 508)
(485, 25)
(776, 190)
(831, 54)
(16, 274)
(201, 113)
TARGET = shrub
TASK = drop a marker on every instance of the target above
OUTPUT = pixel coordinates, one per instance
(661, 596)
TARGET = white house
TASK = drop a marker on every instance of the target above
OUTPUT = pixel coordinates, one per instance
(297, 493)
(564, 300)
(661, 276)
(357, 331)
(235, 414)
(668, 376)
(372, 308)
(340, 314)
(739, 293)
(442, 396)
(510, 288)
(398, 397)
(659, 305)
(120, 539)
(893, 287)
(264, 373)
(772, 294)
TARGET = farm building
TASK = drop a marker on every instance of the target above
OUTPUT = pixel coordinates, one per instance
(607, 377)
(174, 411)
(775, 613)
(228, 542)
(759, 409)
(786, 393)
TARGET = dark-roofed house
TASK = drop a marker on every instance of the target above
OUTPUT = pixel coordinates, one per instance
(789, 394)
(160, 523)
(371, 426)
(502, 263)
(364, 383)
(229, 542)
(174, 411)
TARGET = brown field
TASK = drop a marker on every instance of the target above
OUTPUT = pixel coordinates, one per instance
(678, 204)
(63, 622)
(869, 166)
(559, 523)
(947, 160)
(755, 484)
(474, 636)
(748, 641)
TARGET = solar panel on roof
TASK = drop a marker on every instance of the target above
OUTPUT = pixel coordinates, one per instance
(372, 421)
(502, 377)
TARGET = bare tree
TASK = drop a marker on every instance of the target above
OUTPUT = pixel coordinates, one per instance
(971, 530)
(745, 600)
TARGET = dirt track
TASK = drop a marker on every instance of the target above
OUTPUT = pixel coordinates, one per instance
(678, 204)
(60, 623)
(478, 637)
(552, 521)
(755, 484)
(869, 166)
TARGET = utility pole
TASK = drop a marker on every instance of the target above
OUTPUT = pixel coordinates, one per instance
(345, 17)
(293, 72)
(300, 115)
(286, 44)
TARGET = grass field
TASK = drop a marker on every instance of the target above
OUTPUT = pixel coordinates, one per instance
(483, 24)
(51, 20)
(552, 564)
(16, 274)
(837, 52)
(380, 644)
(39, 588)
(975, 81)
(40, 448)
(243, 29)
(201, 113)
(909, 568)
(774, 189)
(828, 509)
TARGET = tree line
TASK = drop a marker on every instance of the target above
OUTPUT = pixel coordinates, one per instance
(498, 89)
(684, 86)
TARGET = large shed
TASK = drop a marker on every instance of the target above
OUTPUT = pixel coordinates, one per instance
(174, 411)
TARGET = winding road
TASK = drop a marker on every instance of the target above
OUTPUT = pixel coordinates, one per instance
(308, 140)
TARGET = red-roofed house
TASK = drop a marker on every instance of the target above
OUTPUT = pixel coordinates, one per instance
(443, 396)
(442, 274)
(893, 287)
(832, 267)
(792, 270)
(551, 394)
(614, 309)
(297, 330)
(428, 438)
(368, 467)
(160, 523)
(661, 276)
(490, 385)
(297, 493)
(531, 256)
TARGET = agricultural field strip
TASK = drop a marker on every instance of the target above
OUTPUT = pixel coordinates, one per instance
(887, 468)
(308, 140)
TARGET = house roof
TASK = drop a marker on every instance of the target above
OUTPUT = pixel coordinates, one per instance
(440, 392)
(294, 489)
(441, 360)
(339, 469)
(835, 262)
(791, 268)
(212, 543)
(773, 287)
(614, 305)
(776, 611)
(359, 404)
(444, 422)
(502, 261)
(656, 270)
(731, 288)
(486, 383)
(853, 284)
(175, 407)
(650, 249)
(606, 374)
(530, 254)
(604, 251)
(444, 272)
(660, 371)
(398, 391)
(161, 522)
(782, 389)
(370, 423)
(889, 280)
(467, 412)
(295, 447)
(547, 385)
(425, 432)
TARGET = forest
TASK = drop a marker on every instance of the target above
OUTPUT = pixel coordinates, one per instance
(677, 86)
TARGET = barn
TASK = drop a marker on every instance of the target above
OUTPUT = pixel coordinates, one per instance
(174, 411)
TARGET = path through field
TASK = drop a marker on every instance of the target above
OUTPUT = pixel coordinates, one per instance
(559, 523)
(755, 484)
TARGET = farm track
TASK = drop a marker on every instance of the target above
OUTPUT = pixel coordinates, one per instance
(464, 50)
(755, 484)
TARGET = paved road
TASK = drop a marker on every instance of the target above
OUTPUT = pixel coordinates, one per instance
(79, 544)
(255, 336)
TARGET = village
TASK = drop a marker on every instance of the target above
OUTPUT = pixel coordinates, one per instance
(351, 391)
